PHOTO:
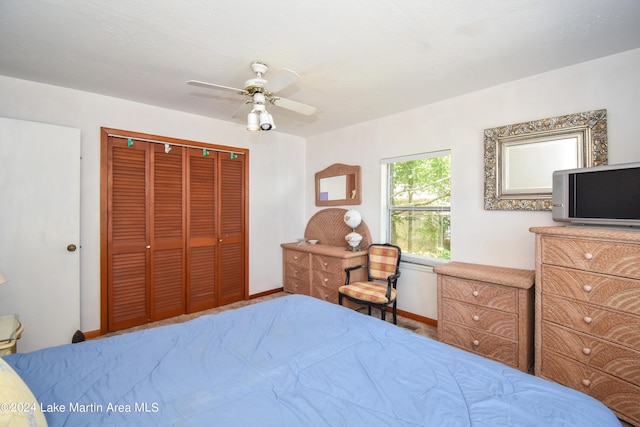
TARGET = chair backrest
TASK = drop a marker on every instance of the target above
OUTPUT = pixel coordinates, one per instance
(384, 260)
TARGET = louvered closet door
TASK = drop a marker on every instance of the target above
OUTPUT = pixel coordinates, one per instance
(146, 278)
(231, 256)
(128, 276)
(167, 231)
(201, 231)
(176, 231)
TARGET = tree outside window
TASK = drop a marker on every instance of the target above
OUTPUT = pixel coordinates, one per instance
(419, 204)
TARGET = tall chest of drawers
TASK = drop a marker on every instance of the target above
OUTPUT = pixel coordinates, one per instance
(487, 310)
(318, 270)
(588, 313)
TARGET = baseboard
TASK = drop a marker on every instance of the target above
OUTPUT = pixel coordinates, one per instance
(416, 317)
(92, 334)
(265, 293)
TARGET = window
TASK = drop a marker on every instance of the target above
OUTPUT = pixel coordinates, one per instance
(418, 206)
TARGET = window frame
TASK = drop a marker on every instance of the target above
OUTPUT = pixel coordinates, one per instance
(387, 208)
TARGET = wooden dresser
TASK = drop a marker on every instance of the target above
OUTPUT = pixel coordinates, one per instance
(487, 310)
(318, 270)
(588, 313)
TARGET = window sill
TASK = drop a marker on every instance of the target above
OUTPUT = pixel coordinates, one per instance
(422, 261)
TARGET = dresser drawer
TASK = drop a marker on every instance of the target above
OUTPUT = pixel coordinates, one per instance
(296, 286)
(617, 394)
(327, 279)
(593, 320)
(325, 263)
(489, 295)
(619, 259)
(475, 341)
(478, 317)
(296, 271)
(610, 358)
(295, 257)
(610, 291)
(326, 293)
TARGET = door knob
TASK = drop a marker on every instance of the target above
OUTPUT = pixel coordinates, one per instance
(72, 248)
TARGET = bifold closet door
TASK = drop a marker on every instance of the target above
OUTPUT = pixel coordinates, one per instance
(201, 230)
(175, 233)
(216, 223)
(168, 275)
(231, 248)
(127, 235)
(146, 278)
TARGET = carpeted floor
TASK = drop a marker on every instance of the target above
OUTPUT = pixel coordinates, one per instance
(412, 325)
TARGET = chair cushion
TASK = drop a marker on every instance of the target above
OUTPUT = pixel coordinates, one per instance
(368, 291)
(383, 262)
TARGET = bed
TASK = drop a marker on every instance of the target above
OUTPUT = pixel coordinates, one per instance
(290, 361)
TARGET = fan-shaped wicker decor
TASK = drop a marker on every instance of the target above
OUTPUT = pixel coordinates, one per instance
(329, 228)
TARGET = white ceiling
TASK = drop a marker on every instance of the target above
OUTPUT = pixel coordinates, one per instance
(358, 59)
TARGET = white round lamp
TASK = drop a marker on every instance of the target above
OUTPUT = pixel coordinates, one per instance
(353, 218)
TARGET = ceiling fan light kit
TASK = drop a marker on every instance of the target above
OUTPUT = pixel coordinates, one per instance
(266, 121)
(260, 92)
(252, 121)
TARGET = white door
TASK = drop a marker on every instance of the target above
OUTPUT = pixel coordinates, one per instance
(39, 227)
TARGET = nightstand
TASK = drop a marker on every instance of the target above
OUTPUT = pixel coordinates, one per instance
(12, 335)
(487, 310)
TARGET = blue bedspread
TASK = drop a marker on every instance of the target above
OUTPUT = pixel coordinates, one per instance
(291, 361)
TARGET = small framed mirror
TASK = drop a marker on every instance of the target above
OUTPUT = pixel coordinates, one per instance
(520, 158)
(339, 184)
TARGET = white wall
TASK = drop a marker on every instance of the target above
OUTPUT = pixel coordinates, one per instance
(276, 161)
(282, 167)
(478, 236)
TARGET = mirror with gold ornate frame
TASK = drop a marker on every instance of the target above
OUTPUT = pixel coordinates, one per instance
(338, 184)
(519, 159)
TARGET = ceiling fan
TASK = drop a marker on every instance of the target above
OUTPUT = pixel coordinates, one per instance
(261, 91)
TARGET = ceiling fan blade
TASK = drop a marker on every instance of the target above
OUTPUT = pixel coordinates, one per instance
(296, 106)
(213, 85)
(281, 80)
(242, 110)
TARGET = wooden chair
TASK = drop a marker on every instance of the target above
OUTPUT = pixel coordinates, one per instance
(383, 265)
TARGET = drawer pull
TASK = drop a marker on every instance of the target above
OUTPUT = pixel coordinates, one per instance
(325, 264)
(587, 319)
(588, 255)
(586, 382)
(586, 351)
(587, 288)
(475, 293)
(295, 257)
(476, 317)
(476, 343)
